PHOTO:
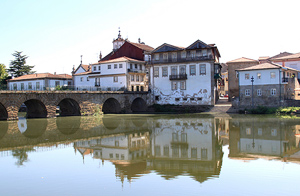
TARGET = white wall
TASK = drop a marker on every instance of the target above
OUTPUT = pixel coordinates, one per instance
(265, 77)
(197, 86)
(81, 82)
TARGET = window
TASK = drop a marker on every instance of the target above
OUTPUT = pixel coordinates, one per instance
(247, 92)
(174, 85)
(95, 68)
(15, 86)
(87, 79)
(182, 69)
(273, 132)
(99, 67)
(192, 70)
(198, 53)
(22, 86)
(156, 57)
(183, 54)
(193, 53)
(97, 81)
(203, 153)
(248, 131)
(122, 156)
(30, 86)
(259, 131)
(184, 151)
(258, 92)
(117, 156)
(272, 75)
(81, 79)
(166, 151)
(135, 66)
(130, 66)
(258, 76)
(247, 76)
(157, 150)
(137, 78)
(183, 137)
(115, 66)
(204, 52)
(182, 85)
(156, 72)
(142, 78)
(174, 56)
(175, 151)
(132, 78)
(174, 70)
(164, 71)
(111, 155)
(165, 56)
(273, 91)
(108, 66)
(236, 74)
(37, 85)
(202, 69)
(117, 143)
(115, 78)
(57, 83)
(120, 65)
(194, 153)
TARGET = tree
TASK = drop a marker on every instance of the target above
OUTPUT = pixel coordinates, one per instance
(3, 74)
(17, 67)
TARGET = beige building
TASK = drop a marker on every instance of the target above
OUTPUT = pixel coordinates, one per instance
(233, 82)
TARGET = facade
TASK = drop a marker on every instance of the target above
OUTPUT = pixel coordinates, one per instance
(272, 84)
(119, 74)
(233, 82)
(185, 76)
(81, 78)
(291, 61)
(40, 81)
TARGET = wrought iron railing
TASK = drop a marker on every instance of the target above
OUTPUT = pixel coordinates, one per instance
(178, 77)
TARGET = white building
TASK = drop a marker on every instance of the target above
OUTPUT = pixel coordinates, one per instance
(272, 83)
(81, 78)
(185, 76)
(40, 81)
(291, 61)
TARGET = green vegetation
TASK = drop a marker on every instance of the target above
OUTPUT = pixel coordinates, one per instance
(3, 77)
(18, 66)
(272, 110)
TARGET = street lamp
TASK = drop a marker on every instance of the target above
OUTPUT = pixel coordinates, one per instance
(252, 80)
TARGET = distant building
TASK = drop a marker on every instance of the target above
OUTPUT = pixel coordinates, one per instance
(233, 83)
(81, 78)
(40, 81)
(292, 61)
(272, 84)
(185, 76)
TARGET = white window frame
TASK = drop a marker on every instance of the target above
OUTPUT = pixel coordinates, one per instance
(192, 67)
(259, 93)
(156, 57)
(108, 66)
(115, 66)
(164, 71)
(272, 75)
(202, 69)
(156, 71)
(120, 65)
(182, 85)
(174, 85)
(273, 91)
(258, 75)
(183, 54)
(115, 78)
(247, 92)
(247, 76)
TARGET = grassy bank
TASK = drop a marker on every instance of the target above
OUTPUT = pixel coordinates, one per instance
(274, 110)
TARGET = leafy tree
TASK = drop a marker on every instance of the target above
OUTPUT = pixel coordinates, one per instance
(3, 75)
(18, 66)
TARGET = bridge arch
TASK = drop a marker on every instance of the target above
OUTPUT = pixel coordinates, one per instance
(69, 107)
(32, 128)
(3, 112)
(139, 105)
(111, 106)
(35, 109)
(68, 125)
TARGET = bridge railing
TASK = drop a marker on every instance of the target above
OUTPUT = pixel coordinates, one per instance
(64, 88)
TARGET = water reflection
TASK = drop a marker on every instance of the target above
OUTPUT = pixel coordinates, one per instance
(258, 137)
(3, 128)
(68, 125)
(33, 128)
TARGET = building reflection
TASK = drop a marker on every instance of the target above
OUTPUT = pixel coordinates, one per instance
(255, 138)
(32, 128)
(173, 147)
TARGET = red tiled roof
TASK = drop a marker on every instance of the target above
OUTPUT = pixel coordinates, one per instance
(42, 76)
(262, 66)
(241, 60)
(292, 56)
(83, 73)
(142, 46)
(120, 59)
(281, 54)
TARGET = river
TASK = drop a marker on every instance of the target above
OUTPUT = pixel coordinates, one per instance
(190, 154)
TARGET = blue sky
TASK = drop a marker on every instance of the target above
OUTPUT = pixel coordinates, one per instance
(54, 33)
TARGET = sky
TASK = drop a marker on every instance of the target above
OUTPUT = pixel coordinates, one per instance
(55, 33)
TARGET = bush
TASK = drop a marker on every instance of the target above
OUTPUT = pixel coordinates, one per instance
(263, 110)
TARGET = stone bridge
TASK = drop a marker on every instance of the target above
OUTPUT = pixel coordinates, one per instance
(43, 104)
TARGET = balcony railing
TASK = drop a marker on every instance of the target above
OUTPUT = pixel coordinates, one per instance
(190, 58)
(178, 77)
(136, 71)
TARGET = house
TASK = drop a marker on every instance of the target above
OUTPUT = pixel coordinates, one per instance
(233, 83)
(40, 81)
(292, 61)
(81, 78)
(272, 84)
(122, 73)
(185, 76)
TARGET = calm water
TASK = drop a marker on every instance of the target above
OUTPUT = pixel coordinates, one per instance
(151, 155)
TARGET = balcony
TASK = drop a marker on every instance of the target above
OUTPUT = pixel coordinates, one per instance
(136, 71)
(178, 77)
(285, 80)
(184, 59)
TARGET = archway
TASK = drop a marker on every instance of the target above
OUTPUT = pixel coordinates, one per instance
(139, 105)
(3, 112)
(35, 109)
(111, 106)
(111, 123)
(68, 125)
(69, 107)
